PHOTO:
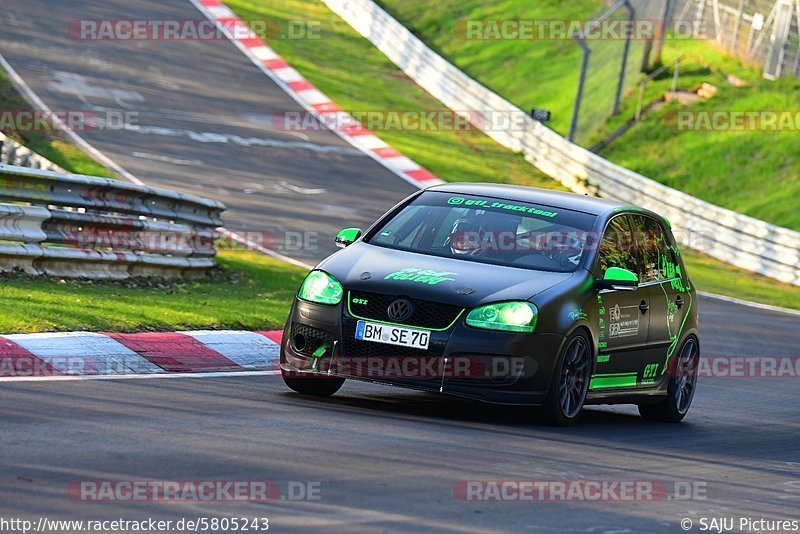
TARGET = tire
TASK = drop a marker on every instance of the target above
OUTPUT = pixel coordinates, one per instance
(682, 386)
(313, 386)
(570, 382)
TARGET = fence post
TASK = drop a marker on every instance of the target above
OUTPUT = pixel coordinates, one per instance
(626, 50)
(640, 103)
(676, 75)
(767, 23)
(737, 27)
(587, 52)
(796, 69)
(717, 20)
(780, 35)
(665, 23)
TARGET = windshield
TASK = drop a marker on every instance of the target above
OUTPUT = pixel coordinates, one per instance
(489, 230)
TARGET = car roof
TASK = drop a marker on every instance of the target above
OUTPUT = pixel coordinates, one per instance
(535, 195)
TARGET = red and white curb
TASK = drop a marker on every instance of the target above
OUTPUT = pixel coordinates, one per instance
(91, 354)
(310, 98)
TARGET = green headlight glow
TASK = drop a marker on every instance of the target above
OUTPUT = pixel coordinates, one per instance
(321, 288)
(508, 316)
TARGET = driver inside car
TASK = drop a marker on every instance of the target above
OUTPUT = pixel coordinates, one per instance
(485, 234)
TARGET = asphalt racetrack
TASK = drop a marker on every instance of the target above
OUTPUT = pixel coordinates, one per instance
(371, 458)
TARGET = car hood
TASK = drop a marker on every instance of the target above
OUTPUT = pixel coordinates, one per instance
(370, 268)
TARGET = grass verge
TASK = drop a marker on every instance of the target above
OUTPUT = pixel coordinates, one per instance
(752, 172)
(249, 291)
(358, 77)
(50, 144)
(542, 73)
(711, 276)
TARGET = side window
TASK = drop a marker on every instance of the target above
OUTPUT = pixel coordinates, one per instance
(617, 247)
(666, 255)
(404, 229)
(648, 239)
(655, 257)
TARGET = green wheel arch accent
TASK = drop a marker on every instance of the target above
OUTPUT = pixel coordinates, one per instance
(350, 311)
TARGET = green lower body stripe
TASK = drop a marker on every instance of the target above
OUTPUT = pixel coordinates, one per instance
(613, 381)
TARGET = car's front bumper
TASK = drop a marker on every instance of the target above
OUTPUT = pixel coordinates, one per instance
(494, 367)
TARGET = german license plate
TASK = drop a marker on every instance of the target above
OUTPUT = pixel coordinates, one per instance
(393, 335)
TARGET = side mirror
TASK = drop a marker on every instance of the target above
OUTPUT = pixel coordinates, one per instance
(346, 237)
(619, 279)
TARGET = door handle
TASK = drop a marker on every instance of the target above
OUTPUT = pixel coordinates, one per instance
(643, 306)
(679, 302)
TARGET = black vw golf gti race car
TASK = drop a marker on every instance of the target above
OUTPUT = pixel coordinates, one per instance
(507, 295)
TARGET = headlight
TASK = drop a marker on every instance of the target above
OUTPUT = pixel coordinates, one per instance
(322, 288)
(508, 316)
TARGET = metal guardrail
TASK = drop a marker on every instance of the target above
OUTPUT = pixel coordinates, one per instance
(84, 226)
(734, 238)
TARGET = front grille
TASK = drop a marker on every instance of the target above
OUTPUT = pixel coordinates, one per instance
(354, 348)
(432, 315)
(314, 338)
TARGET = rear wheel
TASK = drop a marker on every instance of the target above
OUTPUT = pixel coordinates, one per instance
(570, 381)
(682, 384)
(312, 385)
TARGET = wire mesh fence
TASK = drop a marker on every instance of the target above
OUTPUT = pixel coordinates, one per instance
(614, 61)
(761, 32)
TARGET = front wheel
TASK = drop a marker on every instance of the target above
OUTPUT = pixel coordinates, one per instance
(312, 385)
(570, 381)
(682, 385)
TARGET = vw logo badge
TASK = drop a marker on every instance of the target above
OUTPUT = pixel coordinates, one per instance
(400, 310)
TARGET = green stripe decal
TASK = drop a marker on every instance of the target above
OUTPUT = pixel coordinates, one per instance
(622, 380)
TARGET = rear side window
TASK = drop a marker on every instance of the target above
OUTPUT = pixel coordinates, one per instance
(617, 246)
(652, 246)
